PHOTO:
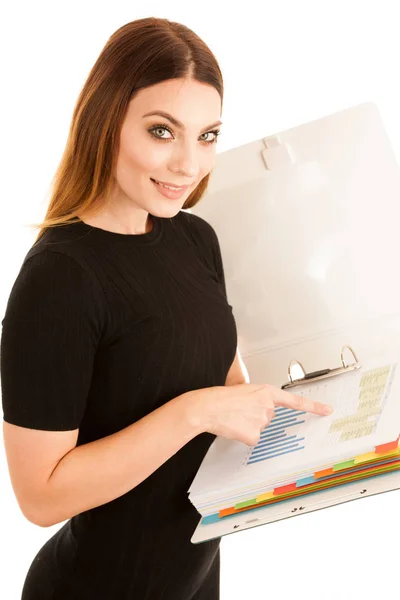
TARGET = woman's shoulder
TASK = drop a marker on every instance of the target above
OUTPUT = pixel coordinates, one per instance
(58, 271)
(64, 245)
(200, 230)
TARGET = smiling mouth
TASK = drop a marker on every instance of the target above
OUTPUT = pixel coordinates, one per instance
(178, 187)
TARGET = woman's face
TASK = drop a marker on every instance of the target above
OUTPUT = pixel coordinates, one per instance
(177, 155)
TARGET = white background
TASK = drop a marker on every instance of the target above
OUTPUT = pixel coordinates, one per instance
(284, 63)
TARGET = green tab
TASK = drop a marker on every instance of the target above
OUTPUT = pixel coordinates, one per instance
(344, 465)
(246, 503)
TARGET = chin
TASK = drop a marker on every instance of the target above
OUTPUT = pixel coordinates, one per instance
(165, 213)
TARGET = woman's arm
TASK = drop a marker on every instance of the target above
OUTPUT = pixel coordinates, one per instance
(100, 471)
(97, 472)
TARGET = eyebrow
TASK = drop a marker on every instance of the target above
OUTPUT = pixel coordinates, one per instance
(175, 122)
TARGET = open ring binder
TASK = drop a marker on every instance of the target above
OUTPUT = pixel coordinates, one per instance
(322, 374)
(333, 168)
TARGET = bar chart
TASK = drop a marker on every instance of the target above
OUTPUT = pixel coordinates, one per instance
(278, 437)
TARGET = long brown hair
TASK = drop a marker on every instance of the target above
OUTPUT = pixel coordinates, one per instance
(139, 54)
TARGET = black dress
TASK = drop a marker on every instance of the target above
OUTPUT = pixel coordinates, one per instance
(101, 329)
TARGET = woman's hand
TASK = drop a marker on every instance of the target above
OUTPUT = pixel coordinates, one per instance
(240, 412)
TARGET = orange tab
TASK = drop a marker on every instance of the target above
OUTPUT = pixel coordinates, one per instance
(386, 447)
(226, 512)
(323, 473)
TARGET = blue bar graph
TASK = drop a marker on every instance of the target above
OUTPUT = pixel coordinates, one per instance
(275, 439)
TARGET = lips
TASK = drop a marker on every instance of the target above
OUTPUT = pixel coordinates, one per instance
(180, 187)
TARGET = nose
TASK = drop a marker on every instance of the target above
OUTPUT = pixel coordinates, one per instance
(185, 162)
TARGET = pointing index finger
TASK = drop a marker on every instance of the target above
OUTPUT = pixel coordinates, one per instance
(302, 403)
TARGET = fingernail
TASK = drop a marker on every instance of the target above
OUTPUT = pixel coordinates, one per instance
(327, 410)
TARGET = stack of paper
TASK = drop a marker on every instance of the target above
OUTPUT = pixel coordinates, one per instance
(299, 452)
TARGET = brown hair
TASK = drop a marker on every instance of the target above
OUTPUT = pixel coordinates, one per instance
(139, 54)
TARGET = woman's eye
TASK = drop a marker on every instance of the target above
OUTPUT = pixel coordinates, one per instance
(157, 131)
(210, 133)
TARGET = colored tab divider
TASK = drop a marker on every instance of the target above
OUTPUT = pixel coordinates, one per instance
(323, 473)
(349, 465)
(290, 488)
(361, 458)
(265, 496)
(343, 465)
(337, 481)
(245, 503)
(216, 517)
(387, 449)
(305, 481)
(283, 489)
(372, 455)
(365, 457)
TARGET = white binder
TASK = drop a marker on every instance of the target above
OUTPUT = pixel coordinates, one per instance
(307, 221)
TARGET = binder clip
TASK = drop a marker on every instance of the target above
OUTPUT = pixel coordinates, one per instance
(322, 374)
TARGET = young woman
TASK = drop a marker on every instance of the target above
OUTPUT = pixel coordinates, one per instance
(118, 339)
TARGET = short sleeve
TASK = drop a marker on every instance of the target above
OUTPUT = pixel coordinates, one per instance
(50, 334)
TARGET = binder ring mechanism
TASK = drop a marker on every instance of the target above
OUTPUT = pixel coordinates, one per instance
(324, 373)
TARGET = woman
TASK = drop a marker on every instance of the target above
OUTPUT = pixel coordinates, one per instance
(120, 308)
(118, 335)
